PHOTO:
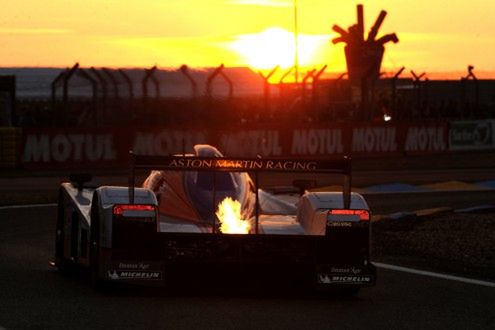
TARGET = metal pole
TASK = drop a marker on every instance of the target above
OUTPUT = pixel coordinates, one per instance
(94, 86)
(309, 74)
(266, 87)
(113, 80)
(55, 83)
(209, 80)
(230, 84)
(296, 43)
(314, 92)
(129, 83)
(194, 86)
(394, 91)
(66, 78)
(144, 83)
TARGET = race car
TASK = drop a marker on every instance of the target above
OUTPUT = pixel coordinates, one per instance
(203, 213)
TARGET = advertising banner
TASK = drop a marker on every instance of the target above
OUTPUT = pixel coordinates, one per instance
(53, 148)
(97, 148)
(425, 138)
(472, 135)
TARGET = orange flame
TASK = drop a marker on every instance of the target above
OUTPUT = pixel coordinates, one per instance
(229, 214)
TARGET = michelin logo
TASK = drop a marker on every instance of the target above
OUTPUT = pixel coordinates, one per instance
(134, 274)
(327, 279)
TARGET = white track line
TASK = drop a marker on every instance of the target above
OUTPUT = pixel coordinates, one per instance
(28, 206)
(437, 275)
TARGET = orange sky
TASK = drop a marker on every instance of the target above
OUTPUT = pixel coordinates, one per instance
(434, 35)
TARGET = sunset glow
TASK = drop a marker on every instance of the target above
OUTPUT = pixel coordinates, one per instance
(255, 33)
(276, 46)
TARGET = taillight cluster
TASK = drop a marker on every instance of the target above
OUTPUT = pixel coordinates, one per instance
(120, 209)
(135, 212)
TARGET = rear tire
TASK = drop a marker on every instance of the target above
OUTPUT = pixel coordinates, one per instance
(63, 264)
(94, 265)
(94, 250)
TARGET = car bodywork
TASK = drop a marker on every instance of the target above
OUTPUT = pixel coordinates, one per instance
(145, 235)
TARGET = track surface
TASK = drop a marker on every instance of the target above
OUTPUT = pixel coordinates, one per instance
(35, 296)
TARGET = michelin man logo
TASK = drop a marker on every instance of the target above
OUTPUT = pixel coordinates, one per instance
(113, 275)
(324, 278)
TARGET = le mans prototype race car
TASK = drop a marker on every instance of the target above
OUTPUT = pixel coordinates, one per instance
(202, 212)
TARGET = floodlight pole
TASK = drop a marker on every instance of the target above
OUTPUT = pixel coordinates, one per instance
(296, 44)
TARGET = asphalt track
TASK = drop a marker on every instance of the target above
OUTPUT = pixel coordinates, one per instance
(33, 295)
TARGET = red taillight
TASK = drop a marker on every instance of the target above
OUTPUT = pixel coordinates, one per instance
(364, 215)
(120, 209)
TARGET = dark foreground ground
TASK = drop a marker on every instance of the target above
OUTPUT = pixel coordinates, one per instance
(35, 296)
(452, 243)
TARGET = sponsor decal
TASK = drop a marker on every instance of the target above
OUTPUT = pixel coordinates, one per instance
(317, 142)
(134, 275)
(194, 163)
(423, 139)
(471, 135)
(331, 223)
(344, 279)
(251, 143)
(61, 148)
(352, 270)
(374, 139)
(166, 142)
(140, 265)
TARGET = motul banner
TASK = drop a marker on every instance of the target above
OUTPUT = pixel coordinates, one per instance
(425, 138)
(318, 142)
(164, 142)
(48, 148)
(95, 148)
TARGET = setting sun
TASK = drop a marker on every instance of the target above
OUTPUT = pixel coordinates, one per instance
(276, 46)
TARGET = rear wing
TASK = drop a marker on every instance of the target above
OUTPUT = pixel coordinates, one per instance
(251, 165)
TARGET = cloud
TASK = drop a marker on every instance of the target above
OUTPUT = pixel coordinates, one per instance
(266, 3)
(445, 37)
(33, 31)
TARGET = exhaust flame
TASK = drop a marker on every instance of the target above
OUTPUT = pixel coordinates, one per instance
(229, 214)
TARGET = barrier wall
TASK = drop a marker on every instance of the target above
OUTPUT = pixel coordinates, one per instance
(98, 148)
(10, 147)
